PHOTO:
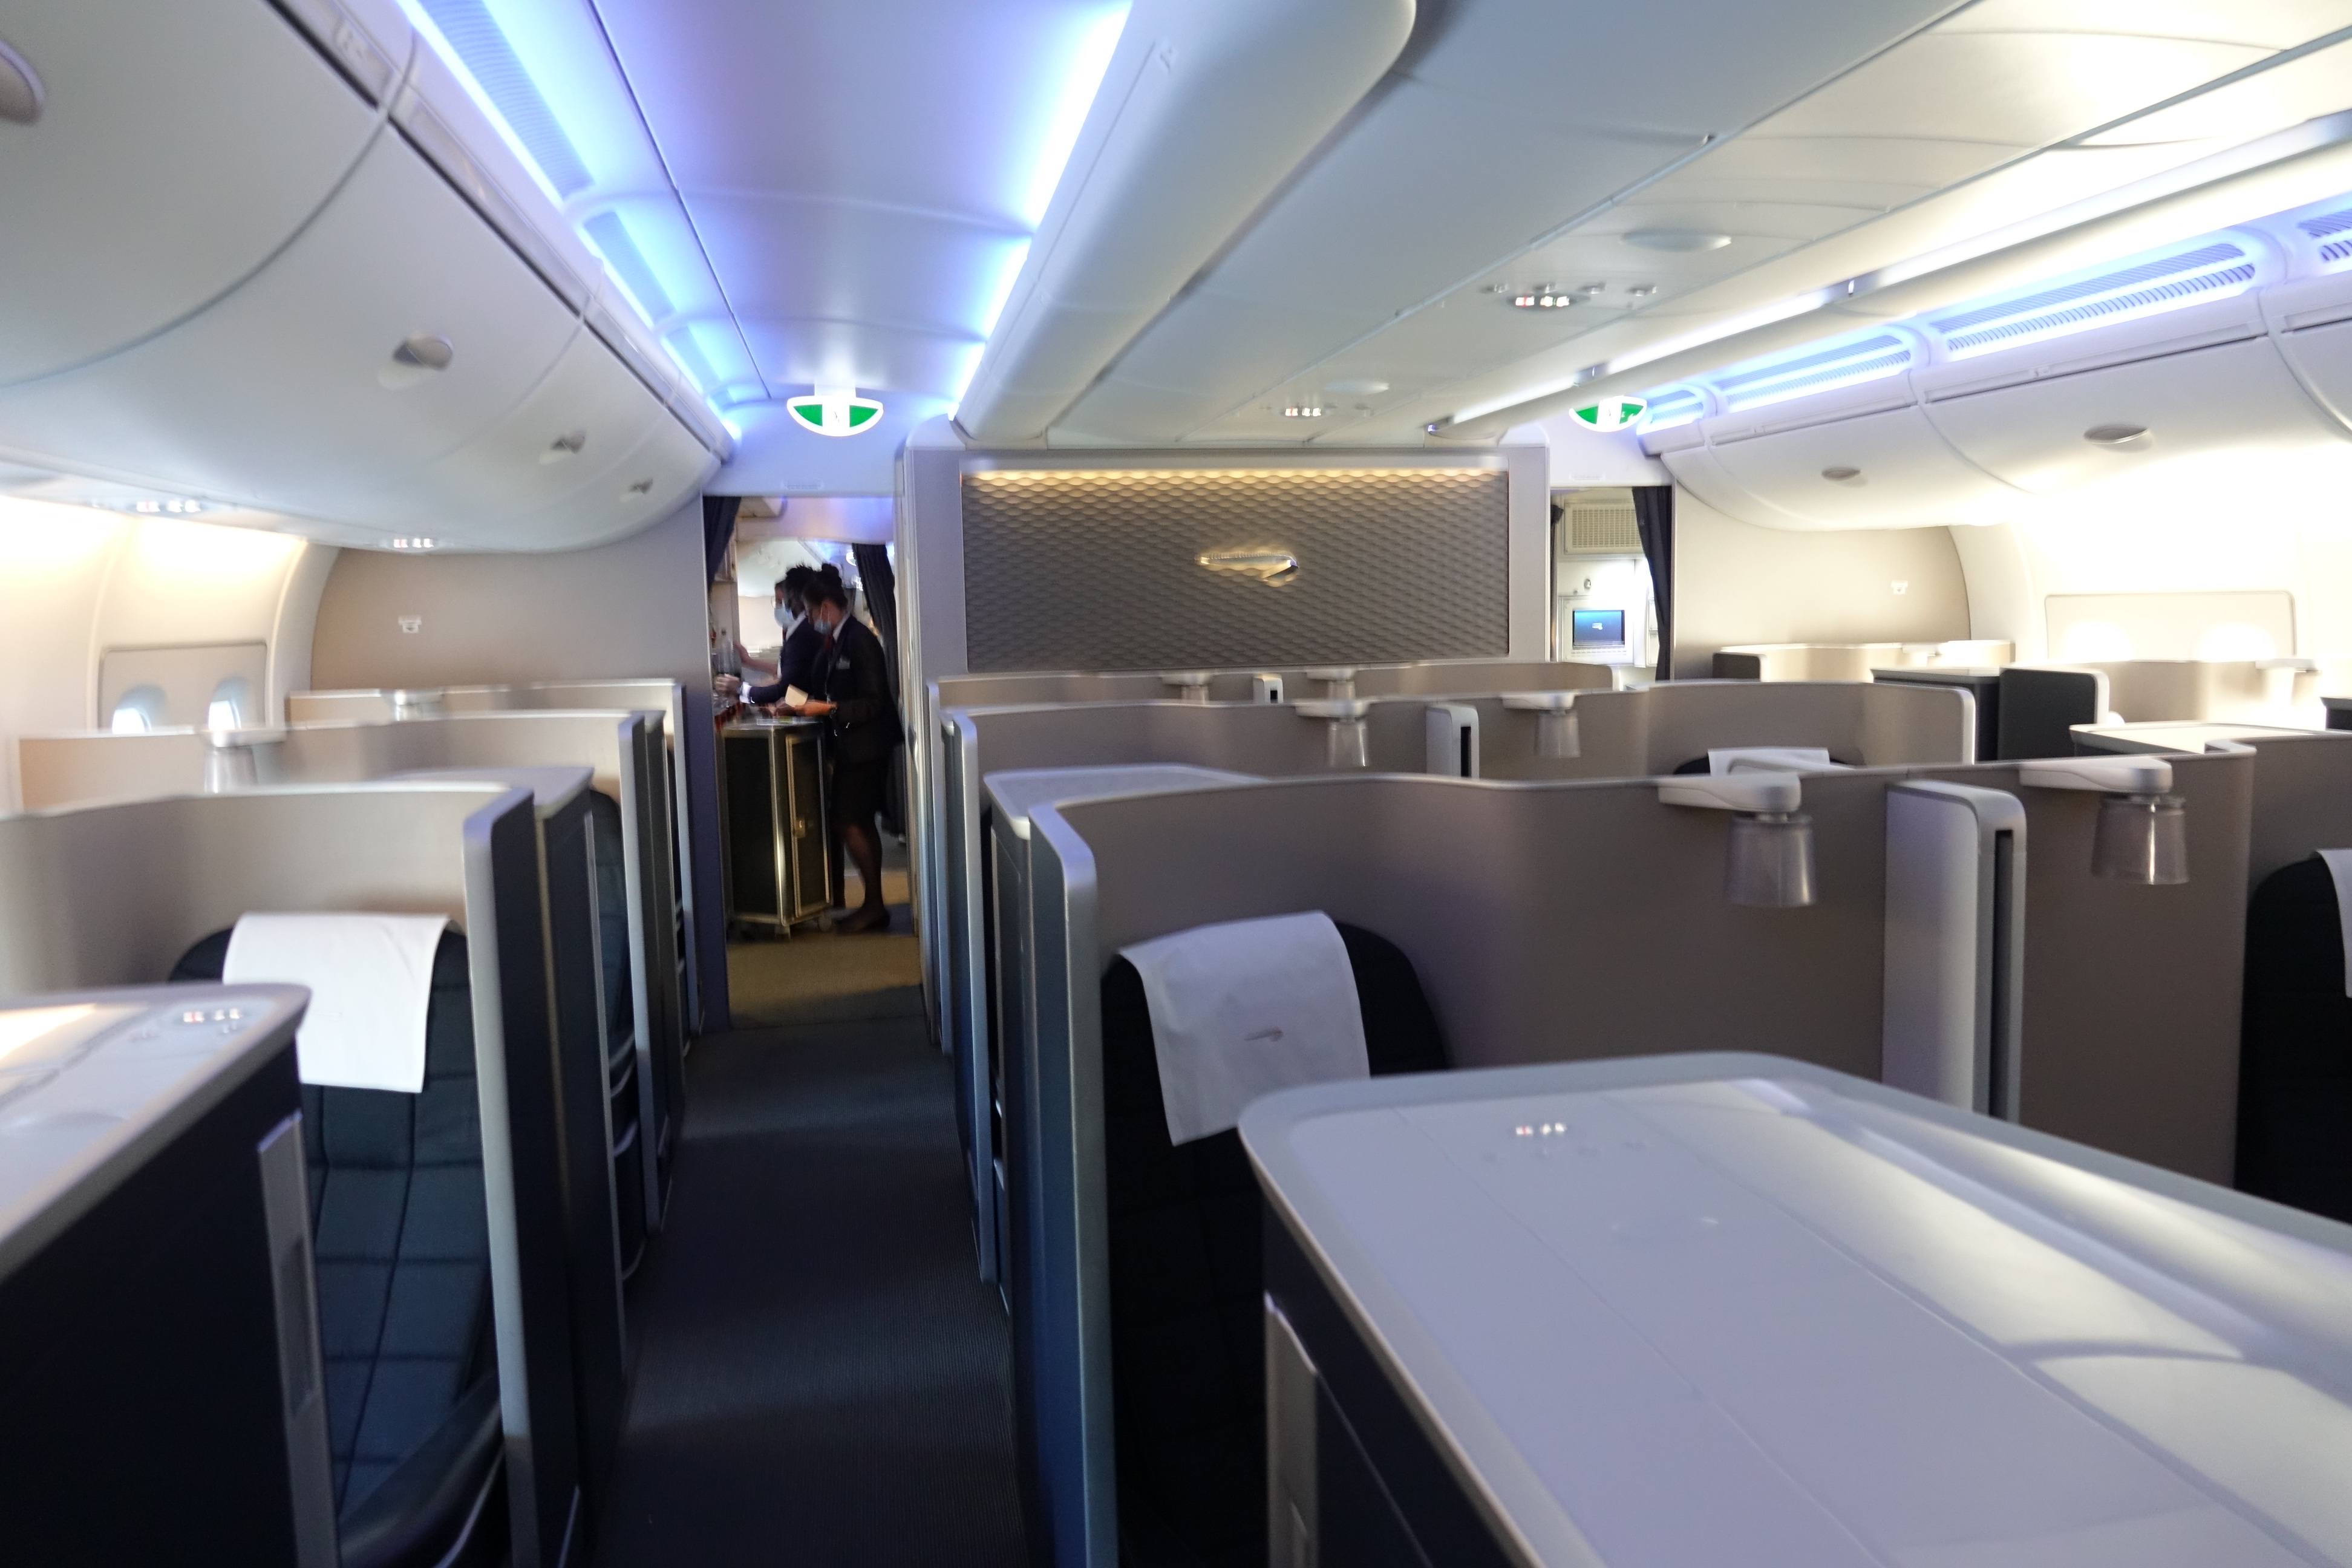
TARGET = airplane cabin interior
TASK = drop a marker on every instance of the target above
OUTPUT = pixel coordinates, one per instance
(1176, 784)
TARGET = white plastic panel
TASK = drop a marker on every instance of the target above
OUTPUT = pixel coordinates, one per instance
(1774, 1319)
(526, 461)
(670, 464)
(179, 144)
(2322, 356)
(2308, 302)
(1700, 471)
(1903, 474)
(273, 396)
(2238, 397)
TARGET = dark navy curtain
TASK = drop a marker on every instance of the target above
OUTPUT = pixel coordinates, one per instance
(881, 585)
(1653, 514)
(718, 528)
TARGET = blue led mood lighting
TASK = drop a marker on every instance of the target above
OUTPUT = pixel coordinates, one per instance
(542, 71)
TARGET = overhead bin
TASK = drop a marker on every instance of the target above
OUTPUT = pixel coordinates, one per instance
(1957, 415)
(567, 436)
(2058, 433)
(650, 479)
(2311, 321)
(392, 330)
(178, 147)
(1888, 469)
(371, 317)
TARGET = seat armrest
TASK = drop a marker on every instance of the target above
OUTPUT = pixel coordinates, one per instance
(416, 1515)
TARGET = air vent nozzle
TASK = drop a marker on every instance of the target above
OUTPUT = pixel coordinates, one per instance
(568, 445)
(2117, 438)
(415, 358)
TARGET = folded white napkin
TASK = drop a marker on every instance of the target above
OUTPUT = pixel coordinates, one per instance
(2339, 866)
(370, 980)
(1243, 1008)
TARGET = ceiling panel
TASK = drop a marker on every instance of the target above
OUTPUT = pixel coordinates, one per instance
(2009, 89)
(1482, 182)
(1954, 131)
(1209, 340)
(884, 101)
(1132, 412)
(1467, 333)
(814, 351)
(1579, 66)
(795, 256)
(863, 179)
(2318, 83)
(2264, 23)
(1888, 157)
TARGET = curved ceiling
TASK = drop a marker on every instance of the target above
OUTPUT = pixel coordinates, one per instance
(801, 196)
(1772, 151)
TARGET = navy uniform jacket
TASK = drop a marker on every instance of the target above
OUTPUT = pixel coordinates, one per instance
(854, 676)
(795, 665)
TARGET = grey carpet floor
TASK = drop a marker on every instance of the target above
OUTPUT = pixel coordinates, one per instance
(822, 1378)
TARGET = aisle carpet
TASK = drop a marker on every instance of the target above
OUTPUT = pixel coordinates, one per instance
(821, 1377)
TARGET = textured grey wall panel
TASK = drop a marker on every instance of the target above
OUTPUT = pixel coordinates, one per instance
(1101, 569)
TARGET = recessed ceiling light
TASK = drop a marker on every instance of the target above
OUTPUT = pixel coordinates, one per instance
(20, 87)
(1544, 297)
(1303, 411)
(413, 543)
(1641, 291)
(1676, 240)
(169, 506)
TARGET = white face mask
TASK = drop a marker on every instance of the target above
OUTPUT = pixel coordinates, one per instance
(785, 618)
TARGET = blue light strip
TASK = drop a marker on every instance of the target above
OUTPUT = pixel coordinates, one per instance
(567, 109)
(611, 238)
(474, 34)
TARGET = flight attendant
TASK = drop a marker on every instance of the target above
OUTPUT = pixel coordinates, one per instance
(796, 661)
(852, 692)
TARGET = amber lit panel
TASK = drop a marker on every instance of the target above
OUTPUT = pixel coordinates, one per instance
(1102, 569)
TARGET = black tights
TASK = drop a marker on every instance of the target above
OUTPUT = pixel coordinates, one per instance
(865, 853)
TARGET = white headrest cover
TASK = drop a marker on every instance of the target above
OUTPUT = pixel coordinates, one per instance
(370, 980)
(1246, 1007)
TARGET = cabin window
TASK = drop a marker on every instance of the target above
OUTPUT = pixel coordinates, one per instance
(136, 710)
(231, 700)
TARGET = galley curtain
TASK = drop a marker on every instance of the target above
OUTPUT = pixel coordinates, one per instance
(881, 585)
(718, 528)
(1653, 514)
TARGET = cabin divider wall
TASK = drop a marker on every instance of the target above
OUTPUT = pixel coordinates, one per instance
(112, 895)
(1572, 921)
(965, 601)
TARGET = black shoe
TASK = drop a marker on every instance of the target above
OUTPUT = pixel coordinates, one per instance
(865, 920)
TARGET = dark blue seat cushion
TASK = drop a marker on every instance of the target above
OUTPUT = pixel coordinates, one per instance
(2295, 1060)
(1188, 1378)
(402, 1242)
